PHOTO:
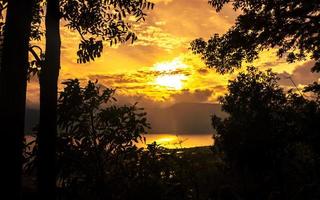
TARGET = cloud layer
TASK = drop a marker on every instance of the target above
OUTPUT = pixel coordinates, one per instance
(163, 40)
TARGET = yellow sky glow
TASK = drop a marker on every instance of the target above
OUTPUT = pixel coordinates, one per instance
(171, 81)
(159, 66)
(170, 66)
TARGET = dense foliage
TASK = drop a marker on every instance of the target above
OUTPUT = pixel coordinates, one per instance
(267, 147)
(95, 141)
(98, 157)
(270, 137)
(291, 26)
(98, 21)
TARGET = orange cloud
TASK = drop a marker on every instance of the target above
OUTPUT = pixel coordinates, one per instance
(162, 40)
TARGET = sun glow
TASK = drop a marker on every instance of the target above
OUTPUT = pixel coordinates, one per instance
(171, 81)
(166, 139)
(170, 66)
(171, 75)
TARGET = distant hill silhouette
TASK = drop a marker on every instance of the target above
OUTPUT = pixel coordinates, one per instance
(184, 118)
(180, 118)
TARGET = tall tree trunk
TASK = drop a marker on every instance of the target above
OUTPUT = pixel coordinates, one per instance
(48, 104)
(13, 74)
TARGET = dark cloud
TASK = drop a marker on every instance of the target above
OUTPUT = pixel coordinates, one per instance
(301, 75)
(203, 71)
(136, 77)
(115, 78)
(142, 100)
(133, 87)
(192, 96)
(274, 63)
(219, 88)
(155, 73)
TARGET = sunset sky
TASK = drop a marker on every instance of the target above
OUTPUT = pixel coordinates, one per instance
(159, 71)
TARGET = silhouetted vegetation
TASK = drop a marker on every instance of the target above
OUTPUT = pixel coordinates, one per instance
(96, 142)
(270, 139)
(291, 26)
(267, 147)
(95, 21)
(97, 156)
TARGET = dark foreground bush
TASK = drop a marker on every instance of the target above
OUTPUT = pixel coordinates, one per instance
(97, 156)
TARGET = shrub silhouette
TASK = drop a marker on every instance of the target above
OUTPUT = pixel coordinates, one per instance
(267, 148)
(96, 145)
(98, 157)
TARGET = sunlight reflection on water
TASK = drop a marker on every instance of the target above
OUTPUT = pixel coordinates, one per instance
(178, 141)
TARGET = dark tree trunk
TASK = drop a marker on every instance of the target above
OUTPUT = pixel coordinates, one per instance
(13, 74)
(48, 104)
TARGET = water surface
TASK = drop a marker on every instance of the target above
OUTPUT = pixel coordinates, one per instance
(178, 141)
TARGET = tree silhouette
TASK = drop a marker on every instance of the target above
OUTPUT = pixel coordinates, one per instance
(48, 100)
(97, 20)
(96, 146)
(13, 77)
(254, 99)
(269, 137)
(291, 26)
(98, 157)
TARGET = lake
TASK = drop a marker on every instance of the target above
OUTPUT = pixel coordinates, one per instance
(177, 141)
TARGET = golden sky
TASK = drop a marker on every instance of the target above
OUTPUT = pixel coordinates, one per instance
(158, 70)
